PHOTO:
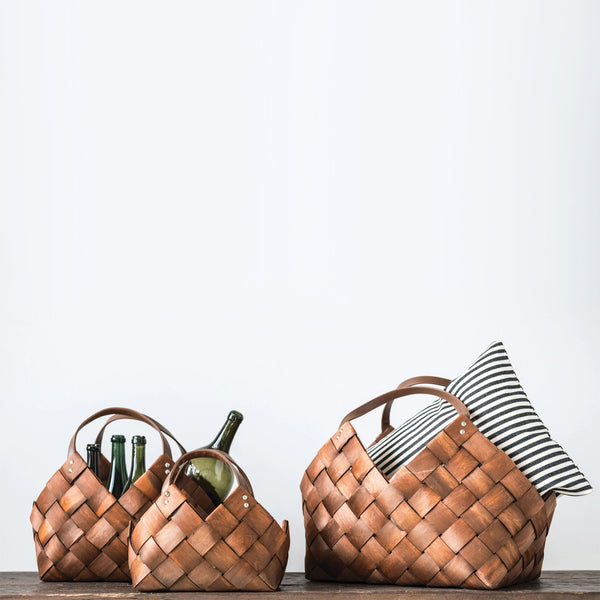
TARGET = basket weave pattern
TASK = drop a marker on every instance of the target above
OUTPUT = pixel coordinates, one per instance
(460, 514)
(80, 528)
(180, 546)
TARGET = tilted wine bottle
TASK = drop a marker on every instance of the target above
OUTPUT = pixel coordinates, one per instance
(216, 477)
(93, 458)
(117, 477)
(138, 460)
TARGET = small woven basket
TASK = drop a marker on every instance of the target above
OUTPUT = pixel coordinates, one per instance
(459, 514)
(183, 543)
(79, 528)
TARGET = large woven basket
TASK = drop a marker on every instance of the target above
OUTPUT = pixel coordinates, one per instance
(460, 514)
(183, 543)
(79, 528)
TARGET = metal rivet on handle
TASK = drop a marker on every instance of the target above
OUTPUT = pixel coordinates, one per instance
(166, 502)
(462, 432)
(167, 471)
(244, 497)
(167, 493)
(70, 470)
(167, 465)
(246, 505)
(71, 462)
(463, 423)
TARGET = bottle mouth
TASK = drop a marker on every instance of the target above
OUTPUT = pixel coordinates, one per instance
(138, 440)
(235, 415)
(117, 438)
(93, 447)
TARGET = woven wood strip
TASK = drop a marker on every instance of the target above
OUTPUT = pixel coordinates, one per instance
(460, 514)
(180, 546)
(80, 529)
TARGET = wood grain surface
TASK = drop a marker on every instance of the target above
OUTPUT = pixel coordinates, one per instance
(553, 585)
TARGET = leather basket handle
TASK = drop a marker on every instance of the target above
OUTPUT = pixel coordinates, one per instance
(423, 379)
(161, 427)
(461, 409)
(177, 469)
(127, 413)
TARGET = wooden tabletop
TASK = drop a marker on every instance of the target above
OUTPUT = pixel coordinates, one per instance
(552, 585)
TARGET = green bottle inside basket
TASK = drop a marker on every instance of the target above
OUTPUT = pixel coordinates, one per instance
(138, 460)
(117, 477)
(216, 477)
(93, 458)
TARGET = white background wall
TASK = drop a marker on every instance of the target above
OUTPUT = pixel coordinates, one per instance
(286, 208)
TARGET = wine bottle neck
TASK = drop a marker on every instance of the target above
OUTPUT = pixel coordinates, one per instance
(93, 461)
(226, 435)
(138, 458)
(118, 454)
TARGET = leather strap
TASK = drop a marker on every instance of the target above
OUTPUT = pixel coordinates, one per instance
(161, 427)
(423, 379)
(126, 413)
(177, 469)
(401, 392)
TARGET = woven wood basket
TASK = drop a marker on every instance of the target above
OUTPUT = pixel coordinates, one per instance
(184, 543)
(459, 514)
(79, 528)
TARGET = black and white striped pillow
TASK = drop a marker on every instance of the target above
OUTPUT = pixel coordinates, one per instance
(500, 409)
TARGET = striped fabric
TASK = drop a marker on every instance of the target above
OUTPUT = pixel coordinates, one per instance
(500, 409)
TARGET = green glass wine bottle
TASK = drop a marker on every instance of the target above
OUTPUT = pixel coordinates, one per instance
(216, 477)
(93, 458)
(138, 460)
(117, 477)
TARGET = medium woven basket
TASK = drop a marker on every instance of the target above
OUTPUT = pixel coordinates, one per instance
(183, 543)
(79, 528)
(459, 514)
